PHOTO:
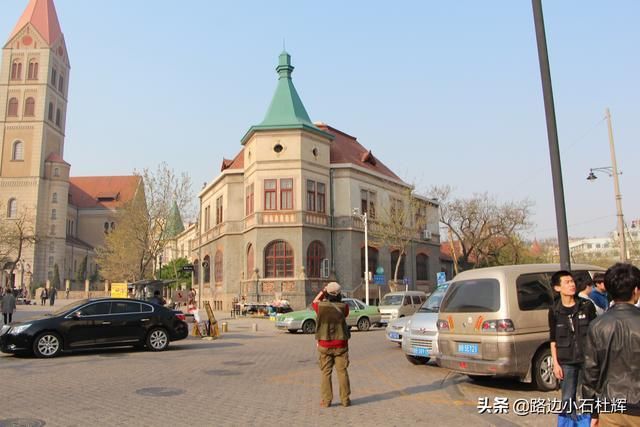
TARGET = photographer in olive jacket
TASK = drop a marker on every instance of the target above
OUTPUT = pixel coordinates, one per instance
(332, 334)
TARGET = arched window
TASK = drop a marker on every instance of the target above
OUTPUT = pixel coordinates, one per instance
(58, 117)
(422, 267)
(13, 108)
(54, 214)
(12, 208)
(30, 107)
(18, 151)
(206, 266)
(33, 70)
(16, 70)
(373, 260)
(54, 198)
(250, 261)
(106, 227)
(56, 171)
(218, 267)
(196, 271)
(50, 115)
(315, 255)
(60, 83)
(278, 259)
(394, 261)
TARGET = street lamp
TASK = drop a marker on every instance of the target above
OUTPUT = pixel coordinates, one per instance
(356, 212)
(613, 171)
(257, 284)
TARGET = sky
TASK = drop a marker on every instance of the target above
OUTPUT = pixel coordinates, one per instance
(444, 93)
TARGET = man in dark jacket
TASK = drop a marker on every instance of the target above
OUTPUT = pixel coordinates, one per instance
(612, 365)
(569, 319)
(599, 294)
(332, 334)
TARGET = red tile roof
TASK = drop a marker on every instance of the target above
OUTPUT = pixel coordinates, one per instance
(107, 192)
(346, 149)
(236, 163)
(42, 15)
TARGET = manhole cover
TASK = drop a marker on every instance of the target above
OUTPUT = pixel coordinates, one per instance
(238, 363)
(160, 391)
(22, 422)
(222, 372)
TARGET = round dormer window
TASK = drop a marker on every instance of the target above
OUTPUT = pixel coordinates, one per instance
(315, 151)
(278, 148)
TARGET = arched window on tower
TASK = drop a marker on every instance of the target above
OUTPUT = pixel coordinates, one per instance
(54, 198)
(16, 70)
(61, 83)
(12, 208)
(33, 70)
(13, 108)
(50, 115)
(278, 259)
(18, 151)
(58, 117)
(30, 107)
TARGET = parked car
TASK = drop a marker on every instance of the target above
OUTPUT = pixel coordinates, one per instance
(494, 322)
(420, 339)
(395, 305)
(361, 316)
(395, 329)
(89, 323)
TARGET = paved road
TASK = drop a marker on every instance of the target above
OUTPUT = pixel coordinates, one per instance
(246, 378)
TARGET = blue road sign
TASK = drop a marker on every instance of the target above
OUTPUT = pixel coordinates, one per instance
(441, 277)
(378, 279)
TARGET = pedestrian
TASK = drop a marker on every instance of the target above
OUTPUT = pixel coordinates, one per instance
(569, 319)
(67, 290)
(599, 294)
(332, 335)
(8, 303)
(44, 296)
(157, 299)
(584, 288)
(612, 365)
(53, 292)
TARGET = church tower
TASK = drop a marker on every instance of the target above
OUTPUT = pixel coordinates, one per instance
(34, 178)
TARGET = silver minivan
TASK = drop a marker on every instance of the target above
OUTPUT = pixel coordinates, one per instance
(494, 322)
(395, 305)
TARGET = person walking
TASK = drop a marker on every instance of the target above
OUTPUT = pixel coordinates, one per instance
(612, 366)
(569, 319)
(332, 335)
(44, 296)
(8, 303)
(599, 294)
(52, 295)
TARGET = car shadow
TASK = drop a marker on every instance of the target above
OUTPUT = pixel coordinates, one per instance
(509, 384)
(202, 345)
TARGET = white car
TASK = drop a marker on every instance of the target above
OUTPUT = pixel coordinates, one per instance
(395, 329)
(420, 337)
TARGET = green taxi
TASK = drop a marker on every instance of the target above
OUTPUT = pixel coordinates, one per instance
(361, 316)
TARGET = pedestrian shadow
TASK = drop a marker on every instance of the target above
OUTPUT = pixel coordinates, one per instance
(238, 336)
(437, 385)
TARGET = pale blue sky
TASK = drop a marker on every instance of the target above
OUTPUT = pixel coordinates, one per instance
(442, 92)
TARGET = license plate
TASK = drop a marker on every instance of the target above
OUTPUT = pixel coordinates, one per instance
(467, 348)
(394, 335)
(420, 351)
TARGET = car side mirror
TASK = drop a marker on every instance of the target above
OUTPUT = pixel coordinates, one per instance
(77, 315)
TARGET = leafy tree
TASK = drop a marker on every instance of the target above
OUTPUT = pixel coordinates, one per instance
(173, 270)
(484, 231)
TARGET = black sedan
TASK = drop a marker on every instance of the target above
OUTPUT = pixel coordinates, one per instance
(94, 323)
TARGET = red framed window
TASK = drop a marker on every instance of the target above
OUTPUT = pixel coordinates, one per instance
(311, 196)
(286, 194)
(321, 198)
(16, 70)
(30, 107)
(270, 188)
(278, 259)
(218, 267)
(249, 200)
(33, 71)
(315, 255)
(13, 107)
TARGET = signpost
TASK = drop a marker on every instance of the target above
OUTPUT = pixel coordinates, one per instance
(187, 267)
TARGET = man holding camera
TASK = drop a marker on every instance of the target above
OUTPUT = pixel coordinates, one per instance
(332, 334)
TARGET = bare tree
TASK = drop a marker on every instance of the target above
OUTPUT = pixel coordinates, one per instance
(481, 228)
(16, 234)
(141, 235)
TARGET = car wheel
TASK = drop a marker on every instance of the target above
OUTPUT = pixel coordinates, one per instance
(157, 340)
(364, 324)
(293, 331)
(48, 344)
(308, 327)
(417, 360)
(542, 374)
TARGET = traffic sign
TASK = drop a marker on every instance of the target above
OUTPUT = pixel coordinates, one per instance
(187, 267)
(441, 277)
(378, 279)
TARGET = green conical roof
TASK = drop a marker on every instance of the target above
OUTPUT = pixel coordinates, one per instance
(175, 225)
(286, 110)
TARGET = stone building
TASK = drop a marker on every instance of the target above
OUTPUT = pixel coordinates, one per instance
(278, 221)
(70, 215)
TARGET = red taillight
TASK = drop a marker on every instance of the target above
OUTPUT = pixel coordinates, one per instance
(443, 325)
(181, 316)
(500, 325)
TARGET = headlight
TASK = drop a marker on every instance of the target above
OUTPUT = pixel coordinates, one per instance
(288, 319)
(19, 329)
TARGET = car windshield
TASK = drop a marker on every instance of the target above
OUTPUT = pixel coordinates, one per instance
(69, 307)
(392, 300)
(432, 305)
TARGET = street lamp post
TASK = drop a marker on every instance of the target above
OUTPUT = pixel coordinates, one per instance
(356, 212)
(160, 270)
(613, 172)
(257, 284)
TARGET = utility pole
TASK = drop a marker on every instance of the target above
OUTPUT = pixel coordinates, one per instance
(552, 134)
(616, 185)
